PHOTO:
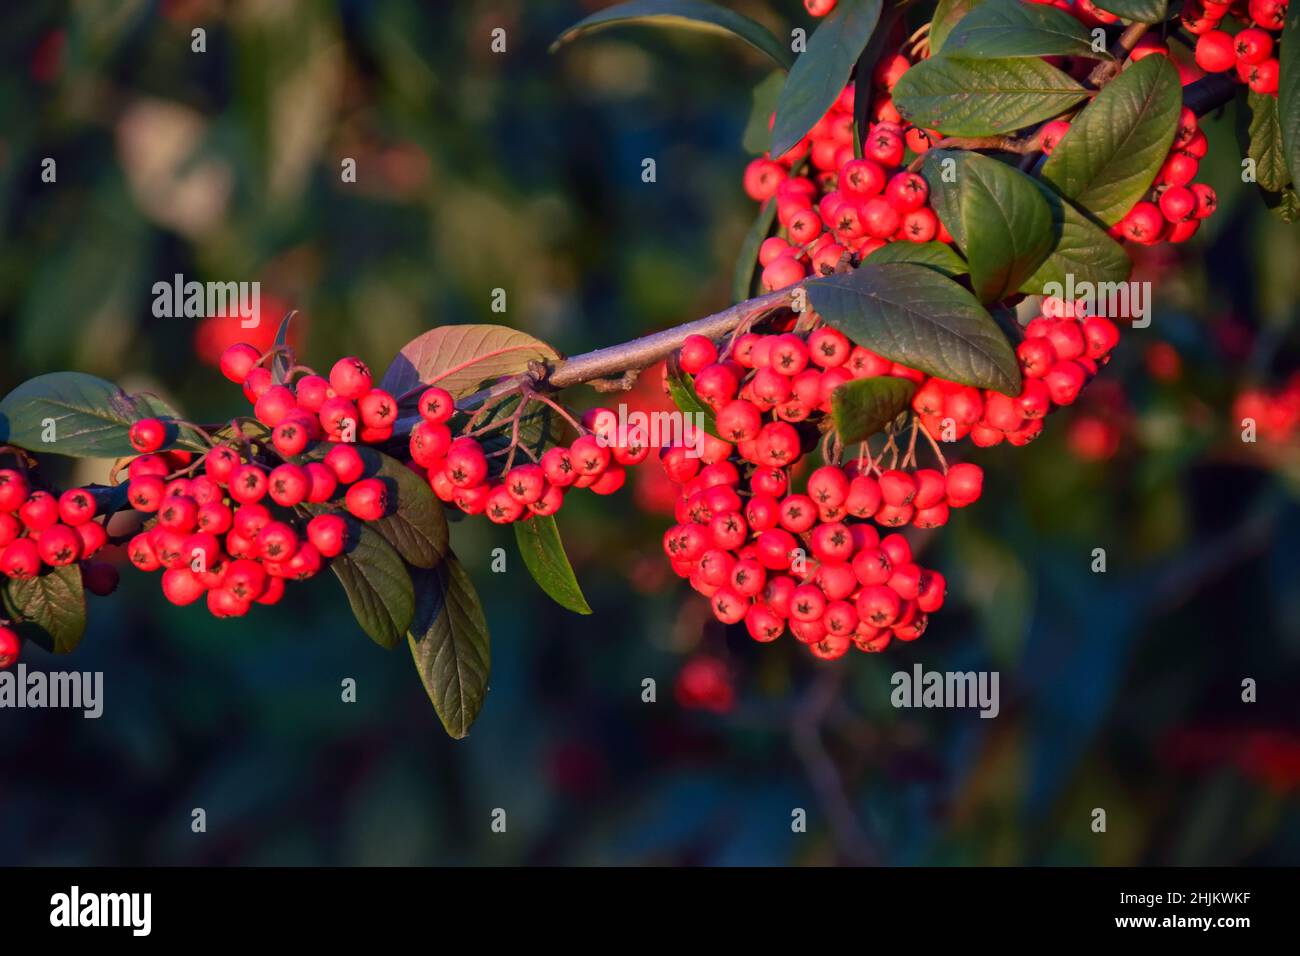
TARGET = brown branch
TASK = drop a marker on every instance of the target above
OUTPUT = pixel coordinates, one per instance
(617, 361)
(1107, 70)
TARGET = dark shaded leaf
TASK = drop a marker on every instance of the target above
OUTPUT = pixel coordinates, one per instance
(818, 76)
(912, 315)
(681, 389)
(1265, 146)
(946, 16)
(742, 280)
(757, 133)
(1142, 11)
(1013, 28)
(682, 14)
(864, 406)
(935, 255)
(377, 585)
(449, 644)
(1288, 90)
(997, 216)
(49, 609)
(1080, 249)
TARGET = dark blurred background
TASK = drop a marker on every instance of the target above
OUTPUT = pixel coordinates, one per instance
(521, 170)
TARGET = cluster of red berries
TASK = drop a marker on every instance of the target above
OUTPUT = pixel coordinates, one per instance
(345, 407)
(1174, 207)
(772, 557)
(460, 470)
(846, 207)
(39, 530)
(1062, 350)
(236, 532)
(1276, 413)
(1250, 52)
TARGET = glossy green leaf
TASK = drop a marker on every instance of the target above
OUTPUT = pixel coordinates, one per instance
(696, 15)
(88, 417)
(912, 315)
(1114, 148)
(1265, 146)
(1013, 28)
(934, 255)
(997, 216)
(49, 609)
(543, 553)
(964, 97)
(450, 646)
(947, 15)
(1079, 249)
(1141, 11)
(864, 406)
(377, 585)
(864, 87)
(818, 77)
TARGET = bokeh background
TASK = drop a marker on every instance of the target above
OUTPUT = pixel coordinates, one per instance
(522, 171)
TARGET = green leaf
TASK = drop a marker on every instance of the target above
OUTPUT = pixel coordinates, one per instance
(912, 315)
(1285, 205)
(757, 134)
(997, 216)
(377, 585)
(864, 406)
(683, 14)
(49, 609)
(681, 389)
(963, 97)
(417, 528)
(935, 255)
(947, 15)
(449, 644)
(1080, 249)
(819, 75)
(1266, 143)
(543, 553)
(91, 418)
(1288, 90)
(1013, 28)
(280, 364)
(742, 280)
(459, 358)
(1141, 11)
(1109, 157)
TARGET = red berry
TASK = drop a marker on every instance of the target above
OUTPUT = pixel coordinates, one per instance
(965, 483)
(321, 482)
(181, 586)
(368, 499)
(76, 506)
(41, 510)
(10, 646)
(59, 545)
(223, 603)
(147, 435)
(237, 361)
(279, 542)
(328, 533)
(350, 378)
(378, 409)
(248, 484)
(1214, 51)
(287, 485)
(312, 391)
(346, 463)
(436, 405)
(101, 579)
